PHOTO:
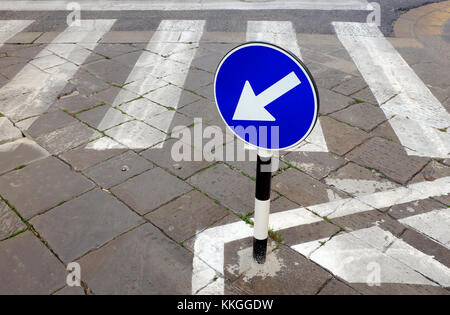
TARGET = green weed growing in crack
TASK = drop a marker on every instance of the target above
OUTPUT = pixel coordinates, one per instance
(275, 236)
(245, 218)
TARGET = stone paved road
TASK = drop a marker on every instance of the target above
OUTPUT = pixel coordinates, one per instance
(88, 119)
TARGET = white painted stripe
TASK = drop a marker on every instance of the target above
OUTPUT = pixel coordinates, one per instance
(403, 252)
(398, 90)
(9, 28)
(434, 224)
(261, 226)
(355, 260)
(282, 33)
(181, 36)
(182, 5)
(209, 244)
(32, 91)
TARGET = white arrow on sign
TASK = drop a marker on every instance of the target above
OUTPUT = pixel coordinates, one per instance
(251, 107)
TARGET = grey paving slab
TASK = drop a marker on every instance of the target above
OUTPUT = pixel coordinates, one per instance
(150, 190)
(389, 158)
(20, 152)
(207, 63)
(108, 71)
(331, 101)
(8, 132)
(315, 164)
(28, 267)
(207, 92)
(304, 189)
(136, 135)
(142, 109)
(243, 159)
(363, 220)
(42, 185)
(118, 169)
(49, 122)
(336, 287)
(203, 108)
(357, 180)
(87, 84)
(27, 51)
(308, 233)
(285, 272)
(364, 116)
(69, 137)
(114, 50)
(408, 209)
(92, 153)
(163, 158)
(341, 138)
(197, 79)
(123, 37)
(282, 204)
(187, 215)
(114, 96)
(103, 117)
(169, 96)
(169, 120)
(143, 261)
(75, 103)
(365, 95)
(427, 246)
(385, 131)
(84, 224)
(431, 172)
(10, 222)
(351, 86)
(328, 78)
(229, 187)
(11, 71)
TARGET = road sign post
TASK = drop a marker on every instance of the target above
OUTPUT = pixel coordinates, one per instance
(262, 206)
(269, 100)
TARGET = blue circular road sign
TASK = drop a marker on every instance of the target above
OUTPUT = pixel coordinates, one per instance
(266, 95)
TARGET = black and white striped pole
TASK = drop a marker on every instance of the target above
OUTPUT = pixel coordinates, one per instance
(262, 205)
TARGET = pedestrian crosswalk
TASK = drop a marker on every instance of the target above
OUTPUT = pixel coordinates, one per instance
(34, 88)
(154, 90)
(417, 117)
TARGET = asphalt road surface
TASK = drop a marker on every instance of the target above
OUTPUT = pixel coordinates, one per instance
(308, 16)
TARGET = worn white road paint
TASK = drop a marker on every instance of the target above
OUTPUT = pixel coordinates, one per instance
(418, 115)
(183, 5)
(209, 244)
(282, 33)
(356, 260)
(177, 38)
(9, 28)
(359, 186)
(398, 249)
(434, 224)
(33, 90)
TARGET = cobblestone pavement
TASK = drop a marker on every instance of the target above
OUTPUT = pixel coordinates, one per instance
(87, 120)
